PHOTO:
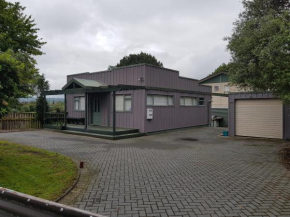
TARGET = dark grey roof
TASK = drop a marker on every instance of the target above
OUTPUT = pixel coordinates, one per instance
(212, 76)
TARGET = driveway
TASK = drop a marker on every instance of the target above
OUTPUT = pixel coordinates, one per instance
(165, 175)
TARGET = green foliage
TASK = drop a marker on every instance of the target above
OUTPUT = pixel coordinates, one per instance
(259, 47)
(133, 59)
(56, 107)
(18, 44)
(34, 171)
(222, 68)
(41, 103)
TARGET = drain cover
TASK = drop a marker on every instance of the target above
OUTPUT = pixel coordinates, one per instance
(189, 139)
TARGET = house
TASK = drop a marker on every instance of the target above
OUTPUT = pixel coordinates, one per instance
(258, 115)
(220, 85)
(141, 98)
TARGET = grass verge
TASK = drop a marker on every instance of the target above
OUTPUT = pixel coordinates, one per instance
(34, 171)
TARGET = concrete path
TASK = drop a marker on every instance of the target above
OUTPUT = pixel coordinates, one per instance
(165, 175)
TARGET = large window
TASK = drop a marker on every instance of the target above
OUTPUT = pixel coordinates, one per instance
(188, 101)
(123, 103)
(79, 103)
(159, 100)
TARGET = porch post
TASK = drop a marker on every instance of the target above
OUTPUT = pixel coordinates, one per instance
(114, 112)
(86, 110)
(44, 109)
(65, 107)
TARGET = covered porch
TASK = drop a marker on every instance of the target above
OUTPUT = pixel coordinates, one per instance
(91, 110)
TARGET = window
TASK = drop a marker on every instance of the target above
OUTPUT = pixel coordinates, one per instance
(188, 101)
(79, 103)
(216, 88)
(123, 103)
(201, 101)
(159, 100)
(227, 89)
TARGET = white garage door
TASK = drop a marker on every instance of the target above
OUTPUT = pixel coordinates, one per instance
(259, 118)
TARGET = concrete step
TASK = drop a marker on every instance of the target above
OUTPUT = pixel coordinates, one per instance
(102, 136)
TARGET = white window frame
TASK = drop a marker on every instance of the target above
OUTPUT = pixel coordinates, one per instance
(226, 89)
(194, 101)
(126, 98)
(169, 102)
(77, 98)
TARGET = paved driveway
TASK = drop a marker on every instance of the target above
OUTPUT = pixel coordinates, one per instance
(163, 175)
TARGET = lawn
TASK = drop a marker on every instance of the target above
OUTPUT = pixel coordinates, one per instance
(34, 171)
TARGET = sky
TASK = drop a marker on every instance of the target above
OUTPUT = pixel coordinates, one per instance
(90, 35)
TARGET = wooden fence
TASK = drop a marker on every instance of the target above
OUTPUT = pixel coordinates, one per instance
(19, 121)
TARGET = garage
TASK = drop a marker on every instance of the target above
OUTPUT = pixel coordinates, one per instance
(259, 118)
(258, 115)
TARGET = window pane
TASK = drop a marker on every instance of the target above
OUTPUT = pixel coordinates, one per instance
(149, 100)
(181, 100)
(120, 103)
(170, 100)
(188, 101)
(227, 89)
(216, 88)
(201, 101)
(128, 104)
(82, 103)
(195, 101)
(76, 103)
(160, 100)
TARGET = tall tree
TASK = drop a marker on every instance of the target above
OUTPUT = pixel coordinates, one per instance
(260, 48)
(41, 103)
(19, 44)
(133, 59)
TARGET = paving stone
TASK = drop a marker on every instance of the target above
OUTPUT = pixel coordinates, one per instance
(162, 175)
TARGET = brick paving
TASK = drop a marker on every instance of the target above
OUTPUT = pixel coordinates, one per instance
(163, 175)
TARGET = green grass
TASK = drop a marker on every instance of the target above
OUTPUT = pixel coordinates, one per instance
(34, 171)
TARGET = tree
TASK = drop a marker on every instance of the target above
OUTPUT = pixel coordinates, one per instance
(41, 103)
(18, 44)
(260, 47)
(133, 59)
(222, 68)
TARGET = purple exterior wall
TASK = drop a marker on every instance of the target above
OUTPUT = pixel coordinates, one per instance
(70, 107)
(239, 96)
(164, 117)
(176, 116)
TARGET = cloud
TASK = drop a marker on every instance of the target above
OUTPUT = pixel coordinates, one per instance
(89, 35)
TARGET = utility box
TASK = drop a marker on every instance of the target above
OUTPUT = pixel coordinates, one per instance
(149, 113)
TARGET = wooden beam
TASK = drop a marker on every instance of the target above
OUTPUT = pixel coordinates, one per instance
(86, 111)
(114, 112)
(65, 107)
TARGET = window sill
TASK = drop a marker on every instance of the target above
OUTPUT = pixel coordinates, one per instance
(160, 106)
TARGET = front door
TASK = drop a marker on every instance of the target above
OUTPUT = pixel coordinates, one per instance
(96, 110)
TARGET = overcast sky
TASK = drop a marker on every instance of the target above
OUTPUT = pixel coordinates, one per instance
(87, 36)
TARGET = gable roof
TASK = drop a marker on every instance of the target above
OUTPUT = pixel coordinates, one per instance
(212, 76)
(85, 83)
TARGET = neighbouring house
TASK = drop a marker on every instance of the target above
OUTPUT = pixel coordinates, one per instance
(140, 97)
(220, 85)
(258, 115)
